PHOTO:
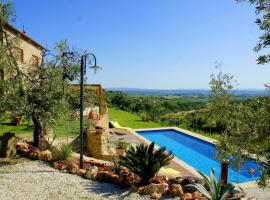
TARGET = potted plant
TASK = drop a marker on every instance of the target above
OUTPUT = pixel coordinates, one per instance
(120, 147)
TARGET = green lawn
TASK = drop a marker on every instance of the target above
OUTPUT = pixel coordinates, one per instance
(21, 130)
(64, 129)
(130, 120)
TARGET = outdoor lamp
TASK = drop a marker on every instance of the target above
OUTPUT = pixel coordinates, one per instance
(83, 72)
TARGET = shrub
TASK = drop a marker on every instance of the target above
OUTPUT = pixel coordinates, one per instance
(216, 190)
(117, 167)
(145, 161)
(65, 152)
(145, 117)
(121, 144)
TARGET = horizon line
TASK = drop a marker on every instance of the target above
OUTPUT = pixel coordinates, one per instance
(134, 88)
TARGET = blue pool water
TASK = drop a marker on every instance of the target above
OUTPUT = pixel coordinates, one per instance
(198, 153)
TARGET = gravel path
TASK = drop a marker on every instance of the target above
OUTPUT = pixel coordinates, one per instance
(35, 180)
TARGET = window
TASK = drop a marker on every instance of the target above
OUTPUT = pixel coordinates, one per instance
(35, 60)
(19, 54)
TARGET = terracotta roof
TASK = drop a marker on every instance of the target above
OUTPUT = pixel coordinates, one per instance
(23, 35)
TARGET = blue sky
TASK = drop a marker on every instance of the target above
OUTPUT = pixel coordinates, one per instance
(157, 44)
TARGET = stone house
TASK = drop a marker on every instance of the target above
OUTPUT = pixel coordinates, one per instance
(28, 52)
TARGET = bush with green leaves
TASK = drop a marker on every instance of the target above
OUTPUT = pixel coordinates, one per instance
(121, 145)
(65, 152)
(216, 189)
(146, 161)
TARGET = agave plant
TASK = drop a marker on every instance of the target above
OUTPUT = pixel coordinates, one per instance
(216, 190)
(117, 167)
(145, 161)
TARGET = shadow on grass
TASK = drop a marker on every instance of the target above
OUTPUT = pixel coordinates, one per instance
(7, 124)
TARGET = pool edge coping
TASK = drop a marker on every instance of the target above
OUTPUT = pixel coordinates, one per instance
(189, 168)
(190, 133)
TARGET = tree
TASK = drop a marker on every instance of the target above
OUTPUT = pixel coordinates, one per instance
(121, 101)
(247, 130)
(43, 91)
(263, 21)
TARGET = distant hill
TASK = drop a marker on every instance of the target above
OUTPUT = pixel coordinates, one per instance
(179, 92)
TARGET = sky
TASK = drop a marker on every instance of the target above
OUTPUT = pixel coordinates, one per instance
(154, 44)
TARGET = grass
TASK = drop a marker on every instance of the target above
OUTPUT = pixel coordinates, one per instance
(21, 130)
(64, 129)
(130, 120)
(134, 121)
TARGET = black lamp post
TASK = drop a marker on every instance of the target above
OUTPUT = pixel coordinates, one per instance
(83, 72)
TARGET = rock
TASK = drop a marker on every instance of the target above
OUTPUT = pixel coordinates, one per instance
(34, 153)
(59, 165)
(128, 178)
(176, 180)
(108, 177)
(22, 145)
(198, 195)
(45, 155)
(81, 172)
(73, 168)
(175, 190)
(96, 162)
(24, 152)
(105, 168)
(159, 179)
(191, 196)
(92, 173)
(189, 180)
(187, 196)
(8, 145)
(154, 190)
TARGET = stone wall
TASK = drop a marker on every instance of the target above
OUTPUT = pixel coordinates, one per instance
(97, 140)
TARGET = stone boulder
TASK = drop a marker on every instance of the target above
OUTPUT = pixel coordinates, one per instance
(154, 190)
(107, 176)
(60, 166)
(189, 180)
(24, 152)
(81, 172)
(92, 173)
(175, 190)
(96, 162)
(187, 196)
(191, 196)
(128, 178)
(8, 145)
(159, 179)
(34, 153)
(73, 168)
(45, 155)
(22, 145)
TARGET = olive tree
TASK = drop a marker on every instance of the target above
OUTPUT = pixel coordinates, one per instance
(44, 91)
(263, 11)
(247, 130)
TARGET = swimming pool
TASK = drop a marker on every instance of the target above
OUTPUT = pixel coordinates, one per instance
(198, 153)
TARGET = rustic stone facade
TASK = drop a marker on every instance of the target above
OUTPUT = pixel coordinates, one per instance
(97, 139)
